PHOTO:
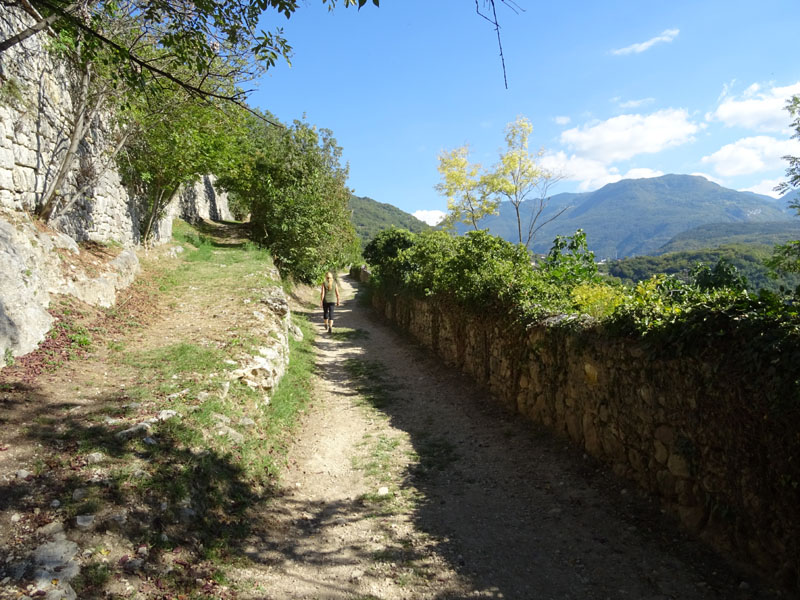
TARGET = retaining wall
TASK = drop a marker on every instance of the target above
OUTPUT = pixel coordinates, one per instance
(36, 110)
(689, 430)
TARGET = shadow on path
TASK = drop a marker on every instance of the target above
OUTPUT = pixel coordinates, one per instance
(518, 512)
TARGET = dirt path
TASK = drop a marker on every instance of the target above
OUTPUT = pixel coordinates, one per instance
(407, 482)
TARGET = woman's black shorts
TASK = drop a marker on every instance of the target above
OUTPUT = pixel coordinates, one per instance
(327, 310)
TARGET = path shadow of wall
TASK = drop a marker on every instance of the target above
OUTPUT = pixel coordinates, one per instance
(516, 510)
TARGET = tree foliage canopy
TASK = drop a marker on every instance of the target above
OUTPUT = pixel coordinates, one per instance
(473, 193)
(787, 256)
(295, 186)
(519, 177)
(468, 195)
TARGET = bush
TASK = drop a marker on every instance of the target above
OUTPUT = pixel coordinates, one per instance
(598, 300)
(383, 254)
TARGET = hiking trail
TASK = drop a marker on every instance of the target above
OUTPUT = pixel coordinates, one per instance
(431, 491)
(404, 479)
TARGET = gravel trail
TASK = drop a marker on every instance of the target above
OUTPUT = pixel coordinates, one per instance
(422, 488)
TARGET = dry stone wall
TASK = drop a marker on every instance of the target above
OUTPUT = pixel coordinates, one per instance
(689, 430)
(36, 112)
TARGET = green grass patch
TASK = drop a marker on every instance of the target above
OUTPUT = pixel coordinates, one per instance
(372, 381)
(291, 397)
(378, 460)
(344, 334)
(177, 358)
(192, 481)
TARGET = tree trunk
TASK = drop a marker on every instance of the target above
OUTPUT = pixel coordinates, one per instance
(519, 220)
(157, 207)
(85, 187)
(79, 127)
(42, 23)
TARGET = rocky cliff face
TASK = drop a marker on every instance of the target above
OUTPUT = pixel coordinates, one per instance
(36, 264)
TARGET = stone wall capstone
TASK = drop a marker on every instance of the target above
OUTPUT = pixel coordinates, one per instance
(689, 429)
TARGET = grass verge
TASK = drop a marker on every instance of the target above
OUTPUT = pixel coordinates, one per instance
(170, 503)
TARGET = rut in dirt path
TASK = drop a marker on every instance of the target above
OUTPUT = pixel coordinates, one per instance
(495, 507)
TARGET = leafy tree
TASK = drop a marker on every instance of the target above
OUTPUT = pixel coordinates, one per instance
(793, 170)
(178, 138)
(121, 49)
(120, 66)
(387, 245)
(191, 32)
(519, 178)
(721, 275)
(787, 256)
(296, 189)
(468, 195)
(384, 253)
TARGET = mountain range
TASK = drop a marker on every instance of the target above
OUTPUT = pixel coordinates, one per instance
(639, 216)
(370, 217)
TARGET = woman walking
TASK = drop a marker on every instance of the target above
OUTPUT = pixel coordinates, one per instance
(329, 297)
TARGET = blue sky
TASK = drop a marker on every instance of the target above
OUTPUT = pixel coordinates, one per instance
(614, 89)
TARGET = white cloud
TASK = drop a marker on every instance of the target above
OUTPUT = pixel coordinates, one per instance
(766, 187)
(431, 217)
(561, 120)
(751, 155)
(666, 36)
(642, 173)
(756, 109)
(628, 104)
(591, 174)
(711, 178)
(625, 136)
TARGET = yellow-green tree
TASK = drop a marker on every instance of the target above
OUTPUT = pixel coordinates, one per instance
(786, 257)
(519, 177)
(465, 187)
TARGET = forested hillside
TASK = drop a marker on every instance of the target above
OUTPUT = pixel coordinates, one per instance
(748, 260)
(725, 234)
(370, 217)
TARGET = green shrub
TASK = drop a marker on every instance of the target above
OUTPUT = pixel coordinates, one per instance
(598, 300)
(722, 275)
(383, 254)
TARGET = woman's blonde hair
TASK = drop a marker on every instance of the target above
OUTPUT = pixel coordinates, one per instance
(329, 275)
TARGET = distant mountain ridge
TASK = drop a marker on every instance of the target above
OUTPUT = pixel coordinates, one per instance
(722, 234)
(370, 217)
(639, 216)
